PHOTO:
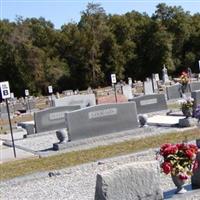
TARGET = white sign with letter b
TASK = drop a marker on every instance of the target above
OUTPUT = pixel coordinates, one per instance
(113, 78)
(5, 90)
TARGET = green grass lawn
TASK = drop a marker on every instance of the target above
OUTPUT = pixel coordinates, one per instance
(21, 167)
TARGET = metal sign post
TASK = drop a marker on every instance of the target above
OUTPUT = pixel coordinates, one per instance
(199, 66)
(114, 81)
(50, 90)
(5, 94)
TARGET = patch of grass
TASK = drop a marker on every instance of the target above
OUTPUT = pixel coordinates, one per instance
(173, 106)
(21, 167)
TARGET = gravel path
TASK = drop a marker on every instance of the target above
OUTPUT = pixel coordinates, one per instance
(77, 183)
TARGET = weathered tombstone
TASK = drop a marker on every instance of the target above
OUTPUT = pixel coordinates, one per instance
(52, 118)
(68, 92)
(196, 96)
(89, 90)
(155, 85)
(101, 119)
(148, 87)
(81, 100)
(165, 76)
(133, 181)
(174, 91)
(130, 81)
(127, 91)
(150, 103)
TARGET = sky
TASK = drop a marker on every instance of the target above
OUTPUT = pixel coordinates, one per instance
(61, 12)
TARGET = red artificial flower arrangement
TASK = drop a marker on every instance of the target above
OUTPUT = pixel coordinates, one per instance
(178, 159)
(184, 78)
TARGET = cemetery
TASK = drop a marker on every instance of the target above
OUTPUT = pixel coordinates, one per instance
(109, 116)
(104, 108)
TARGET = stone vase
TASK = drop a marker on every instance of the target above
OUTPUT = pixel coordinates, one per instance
(61, 135)
(187, 112)
(179, 183)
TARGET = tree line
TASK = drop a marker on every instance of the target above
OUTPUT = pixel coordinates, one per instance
(33, 54)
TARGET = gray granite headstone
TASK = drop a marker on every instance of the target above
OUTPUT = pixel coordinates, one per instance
(196, 96)
(3, 108)
(3, 115)
(174, 91)
(52, 118)
(196, 175)
(81, 100)
(150, 103)
(134, 181)
(194, 86)
(148, 87)
(100, 120)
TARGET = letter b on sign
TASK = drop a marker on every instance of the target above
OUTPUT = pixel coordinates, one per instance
(5, 90)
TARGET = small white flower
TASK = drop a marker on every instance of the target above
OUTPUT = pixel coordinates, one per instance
(182, 101)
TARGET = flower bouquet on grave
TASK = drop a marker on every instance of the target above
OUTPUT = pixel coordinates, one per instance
(184, 80)
(187, 106)
(178, 160)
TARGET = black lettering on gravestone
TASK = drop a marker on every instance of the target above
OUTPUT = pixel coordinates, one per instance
(174, 91)
(150, 103)
(194, 86)
(101, 119)
(52, 118)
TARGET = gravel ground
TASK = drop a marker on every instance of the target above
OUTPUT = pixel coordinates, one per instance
(43, 144)
(76, 183)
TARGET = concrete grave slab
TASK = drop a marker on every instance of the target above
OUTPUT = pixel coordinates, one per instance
(168, 121)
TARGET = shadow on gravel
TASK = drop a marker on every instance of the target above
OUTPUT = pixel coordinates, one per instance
(170, 193)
